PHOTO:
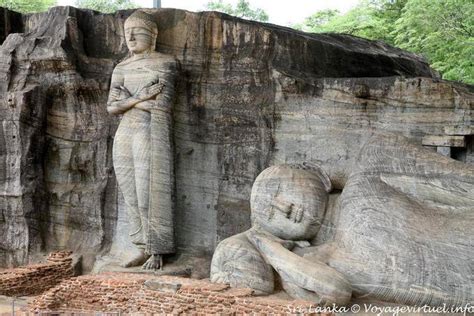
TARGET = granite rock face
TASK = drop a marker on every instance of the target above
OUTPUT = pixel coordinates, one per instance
(250, 95)
(399, 231)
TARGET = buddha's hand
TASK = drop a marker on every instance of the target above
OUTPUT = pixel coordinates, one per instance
(255, 232)
(119, 93)
(150, 91)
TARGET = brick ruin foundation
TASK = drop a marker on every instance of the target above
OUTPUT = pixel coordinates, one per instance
(37, 278)
(138, 293)
(58, 291)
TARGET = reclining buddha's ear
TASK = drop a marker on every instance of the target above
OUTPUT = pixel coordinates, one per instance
(324, 178)
(317, 171)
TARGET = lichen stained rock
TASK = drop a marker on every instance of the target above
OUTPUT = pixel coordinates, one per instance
(250, 95)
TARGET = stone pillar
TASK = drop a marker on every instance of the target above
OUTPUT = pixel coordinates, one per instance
(444, 150)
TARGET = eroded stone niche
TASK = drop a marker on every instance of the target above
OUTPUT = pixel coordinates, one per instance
(250, 95)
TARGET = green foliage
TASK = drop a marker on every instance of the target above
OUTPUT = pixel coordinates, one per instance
(321, 17)
(106, 6)
(27, 6)
(441, 30)
(370, 19)
(241, 10)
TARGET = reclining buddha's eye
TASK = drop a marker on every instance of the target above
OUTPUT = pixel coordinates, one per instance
(289, 210)
(283, 206)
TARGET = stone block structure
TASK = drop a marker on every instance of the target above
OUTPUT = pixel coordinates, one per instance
(37, 278)
(128, 293)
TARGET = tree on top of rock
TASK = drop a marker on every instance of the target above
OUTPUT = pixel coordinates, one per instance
(441, 30)
(241, 10)
(27, 6)
(106, 6)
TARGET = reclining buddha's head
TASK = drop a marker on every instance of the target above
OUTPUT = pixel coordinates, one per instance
(289, 201)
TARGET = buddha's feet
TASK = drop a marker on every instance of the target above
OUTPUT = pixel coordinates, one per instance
(137, 260)
(153, 263)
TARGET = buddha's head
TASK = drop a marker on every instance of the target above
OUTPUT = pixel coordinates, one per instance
(289, 201)
(140, 32)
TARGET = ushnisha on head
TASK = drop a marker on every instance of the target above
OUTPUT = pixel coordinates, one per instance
(140, 32)
(289, 201)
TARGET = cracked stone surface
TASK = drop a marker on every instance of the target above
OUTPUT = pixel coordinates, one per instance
(250, 95)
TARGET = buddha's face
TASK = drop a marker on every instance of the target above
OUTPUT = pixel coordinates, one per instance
(289, 205)
(139, 39)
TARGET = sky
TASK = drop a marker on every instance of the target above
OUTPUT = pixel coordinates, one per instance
(280, 12)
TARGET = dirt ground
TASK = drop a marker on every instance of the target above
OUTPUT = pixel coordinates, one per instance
(6, 304)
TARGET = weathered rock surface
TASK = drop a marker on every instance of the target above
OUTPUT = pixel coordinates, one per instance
(399, 232)
(250, 95)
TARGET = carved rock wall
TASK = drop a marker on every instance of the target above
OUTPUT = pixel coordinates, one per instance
(250, 95)
(338, 116)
